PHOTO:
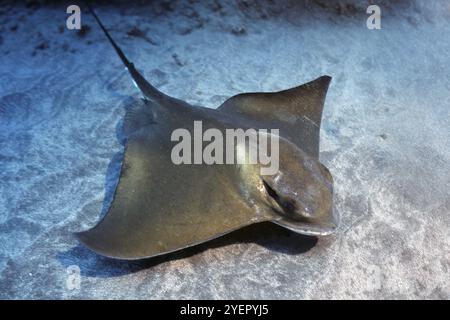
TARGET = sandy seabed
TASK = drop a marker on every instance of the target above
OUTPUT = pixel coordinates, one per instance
(385, 138)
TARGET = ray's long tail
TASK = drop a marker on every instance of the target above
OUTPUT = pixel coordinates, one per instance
(149, 91)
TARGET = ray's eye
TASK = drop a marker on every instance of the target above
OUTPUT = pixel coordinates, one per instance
(270, 191)
(288, 205)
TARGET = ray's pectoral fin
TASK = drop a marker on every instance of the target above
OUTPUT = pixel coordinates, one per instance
(160, 207)
(297, 112)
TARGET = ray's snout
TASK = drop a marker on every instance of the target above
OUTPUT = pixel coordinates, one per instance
(303, 202)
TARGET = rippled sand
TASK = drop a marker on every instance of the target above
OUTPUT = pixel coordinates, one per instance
(385, 137)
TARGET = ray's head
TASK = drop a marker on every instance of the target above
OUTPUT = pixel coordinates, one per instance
(299, 196)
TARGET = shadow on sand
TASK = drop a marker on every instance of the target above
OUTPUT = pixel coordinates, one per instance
(266, 234)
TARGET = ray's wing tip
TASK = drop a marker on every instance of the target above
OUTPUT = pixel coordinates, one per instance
(83, 237)
(86, 240)
(89, 241)
(326, 79)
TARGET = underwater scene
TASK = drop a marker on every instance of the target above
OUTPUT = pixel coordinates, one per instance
(215, 149)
